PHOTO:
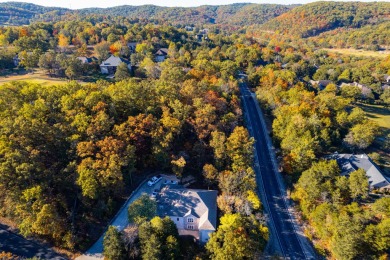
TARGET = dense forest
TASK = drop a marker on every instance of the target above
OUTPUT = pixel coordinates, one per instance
(14, 13)
(70, 153)
(312, 19)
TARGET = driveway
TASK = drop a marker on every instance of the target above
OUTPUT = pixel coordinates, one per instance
(120, 221)
(18, 245)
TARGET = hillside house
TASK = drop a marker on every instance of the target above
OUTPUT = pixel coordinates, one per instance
(16, 60)
(321, 84)
(87, 60)
(132, 46)
(161, 55)
(110, 65)
(194, 212)
(349, 163)
(366, 91)
(386, 78)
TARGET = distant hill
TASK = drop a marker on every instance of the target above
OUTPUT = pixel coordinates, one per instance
(234, 14)
(315, 18)
(17, 13)
(371, 37)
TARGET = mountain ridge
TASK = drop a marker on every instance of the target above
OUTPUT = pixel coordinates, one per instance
(19, 13)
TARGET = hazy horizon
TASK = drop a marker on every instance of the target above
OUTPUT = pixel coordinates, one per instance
(72, 4)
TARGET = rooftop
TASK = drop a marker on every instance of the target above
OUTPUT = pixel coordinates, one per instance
(114, 61)
(350, 163)
(180, 202)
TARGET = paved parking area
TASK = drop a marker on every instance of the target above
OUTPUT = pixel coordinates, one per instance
(120, 221)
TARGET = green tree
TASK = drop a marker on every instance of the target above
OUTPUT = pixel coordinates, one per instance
(210, 174)
(362, 135)
(239, 148)
(236, 236)
(217, 142)
(159, 239)
(350, 91)
(385, 97)
(114, 248)
(122, 72)
(358, 184)
(142, 209)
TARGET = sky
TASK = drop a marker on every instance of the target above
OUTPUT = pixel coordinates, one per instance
(77, 4)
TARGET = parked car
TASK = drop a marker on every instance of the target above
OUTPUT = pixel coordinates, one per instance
(154, 180)
(170, 182)
(154, 193)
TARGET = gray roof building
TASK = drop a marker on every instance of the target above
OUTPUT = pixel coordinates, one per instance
(322, 84)
(109, 66)
(193, 211)
(87, 60)
(364, 89)
(349, 163)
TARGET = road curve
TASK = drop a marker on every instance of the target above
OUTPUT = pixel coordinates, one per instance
(288, 240)
(19, 246)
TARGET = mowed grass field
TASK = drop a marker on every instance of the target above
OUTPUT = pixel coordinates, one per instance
(379, 114)
(364, 53)
(39, 77)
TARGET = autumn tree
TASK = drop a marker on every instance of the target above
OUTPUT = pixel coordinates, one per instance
(358, 184)
(238, 236)
(239, 149)
(122, 72)
(141, 210)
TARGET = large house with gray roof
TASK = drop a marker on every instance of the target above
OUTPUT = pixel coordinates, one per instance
(110, 65)
(194, 212)
(349, 163)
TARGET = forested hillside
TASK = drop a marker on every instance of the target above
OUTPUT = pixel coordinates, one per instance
(315, 18)
(15, 13)
(371, 36)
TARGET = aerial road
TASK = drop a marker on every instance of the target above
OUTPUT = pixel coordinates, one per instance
(287, 239)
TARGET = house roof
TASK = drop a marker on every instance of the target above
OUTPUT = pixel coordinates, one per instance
(162, 52)
(84, 59)
(113, 61)
(321, 83)
(350, 163)
(365, 90)
(180, 202)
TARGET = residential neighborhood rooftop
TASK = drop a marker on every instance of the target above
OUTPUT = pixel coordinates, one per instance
(180, 202)
(350, 163)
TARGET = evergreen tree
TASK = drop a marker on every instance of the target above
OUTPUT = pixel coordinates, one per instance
(114, 247)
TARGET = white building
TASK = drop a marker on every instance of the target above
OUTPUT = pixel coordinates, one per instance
(193, 211)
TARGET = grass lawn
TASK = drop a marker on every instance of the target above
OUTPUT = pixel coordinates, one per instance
(364, 53)
(38, 76)
(379, 114)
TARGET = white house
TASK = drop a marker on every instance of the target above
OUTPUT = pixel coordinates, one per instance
(386, 78)
(350, 162)
(193, 211)
(109, 66)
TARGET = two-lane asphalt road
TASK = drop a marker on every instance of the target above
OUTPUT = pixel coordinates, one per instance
(285, 234)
